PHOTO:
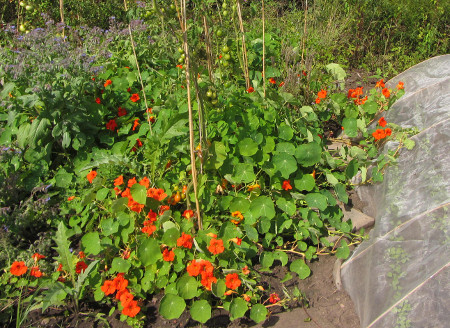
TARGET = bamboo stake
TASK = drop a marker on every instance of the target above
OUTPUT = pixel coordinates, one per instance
(191, 120)
(244, 49)
(61, 12)
(264, 50)
(208, 50)
(139, 71)
(304, 35)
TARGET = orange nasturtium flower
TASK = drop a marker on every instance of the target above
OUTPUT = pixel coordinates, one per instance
(386, 92)
(379, 134)
(272, 80)
(317, 100)
(70, 198)
(188, 214)
(245, 270)
(120, 282)
(216, 246)
(35, 272)
(135, 124)
(148, 229)
(236, 240)
(108, 82)
(91, 176)
(144, 181)
(118, 181)
(109, 287)
(36, 257)
(194, 268)
(322, 94)
(286, 185)
(131, 182)
(232, 281)
(168, 256)
(382, 122)
(134, 97)
(281, 84)
(246, 297)
(131, 309)
(388, 132)
(185, 241)
(400, 85)
(18, 268)
(274, 298)
(380, 84)
(237, 214)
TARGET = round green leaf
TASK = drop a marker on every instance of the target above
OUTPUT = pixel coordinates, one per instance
(258, 313)
(120, 265)
(286, 206)
(308, 154)
(239, 204)
(350, 126)
(300, 268)
(269, 145)
(102, 194)
(187, 287)
(109, 226)
(263, 206)
(201, 311)
(341, 192)
(316, 200)
(170, 237)
(243, 173)
(285, 132)
(148, 252)
(91, 243)
(285, 163)
(171, 306)
(139, 193)
(219, 288)
(247, 147)
(238, 307)
(285, 147)
(280, 256)
(266, 259)
(304, 182)
(343, 251)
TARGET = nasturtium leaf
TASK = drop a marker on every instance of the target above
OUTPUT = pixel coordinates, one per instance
(240, 204)
(331, 178)
(119, 204)
(170, 236)
(123, 218)
(148, 280)
(200, 311)
(171, 306)
(251, 232)
(286, 206)
(341, 192)
(285, 147)
(109, 226)
(187, 287)
(148, 251)
(263, 206)
(102, 194)
(352, 168)
(219, 288)
(308, 154)
(269, 145)
(350, 126)
(370, 107)
(218, 155)
(258, 313)
(63, 178)
(285, 132)
(91, 243)
(139, 193)
(285, 163)
(266, 259)
(343, 251)
(243, 173)
(120, 265)
(280, 256)
(316, 200)
(286, 277)
(238, 307)
(247, 147)
(300, 268)
(304, 182)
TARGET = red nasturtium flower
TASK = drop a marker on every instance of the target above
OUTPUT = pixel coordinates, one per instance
(163, 208)
(272, 80)
(91, 176)
(118, 181)
(70, 198)
(281, 84)
(125, 298)
(382, 122)
(134, 97)
(151, 216)
(81, 255)
(237, 240)
(322, 94)
(216, 246)
(188, 214)
(121, 112)
(108, 82)
(98, 100)
(168, 256)
(18, 268)
(111, 125)
(148, 229)
(131, 309)
(120, 282)
(144, 181)
(194, 268)
(135, 124)
(386, 92)
(379, 134)
(185, 241)
(380, 84)
(388, 132)
(179, 66)
(400, 85)
(274, 298)
(131, 182)
(250, 90)
(122, 292)
(60, 267)
(80, 267)
(318, 100)
(232, 281)
(35, 272)
(36, 257)
(286, 185)
(108, 287)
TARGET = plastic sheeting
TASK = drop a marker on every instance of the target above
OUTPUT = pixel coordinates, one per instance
(400, 277)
